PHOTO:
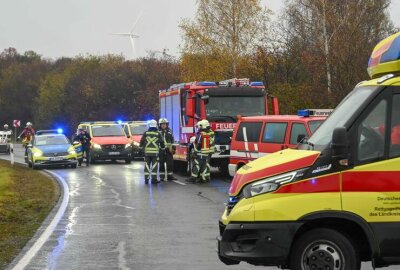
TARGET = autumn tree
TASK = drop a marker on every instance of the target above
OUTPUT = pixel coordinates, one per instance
(220, 36)
(335, 39)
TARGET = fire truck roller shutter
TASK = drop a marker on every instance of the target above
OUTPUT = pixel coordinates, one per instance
(162, 107)
(175, 120)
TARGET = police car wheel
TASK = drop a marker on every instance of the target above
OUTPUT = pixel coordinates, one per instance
(29, 164)
(324, 249)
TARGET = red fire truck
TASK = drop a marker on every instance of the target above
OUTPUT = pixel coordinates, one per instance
(220, 103)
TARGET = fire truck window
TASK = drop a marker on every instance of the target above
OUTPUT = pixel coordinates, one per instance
(395, 129)
(297, 129)
(253, 131)
(274, 133)
(371, 134)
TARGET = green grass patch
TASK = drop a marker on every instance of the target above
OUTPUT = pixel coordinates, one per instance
(26, 198)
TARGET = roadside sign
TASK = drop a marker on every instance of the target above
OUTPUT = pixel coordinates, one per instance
(17, 123)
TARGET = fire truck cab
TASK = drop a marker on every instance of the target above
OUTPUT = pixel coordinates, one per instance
(258, 136)
(335, 201)
(221, 104)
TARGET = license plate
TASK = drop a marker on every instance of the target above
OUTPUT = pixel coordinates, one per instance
(56, 158)
(114, 153)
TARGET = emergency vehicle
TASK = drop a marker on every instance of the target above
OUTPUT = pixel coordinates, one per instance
(134, 131)
(335, 201)
(109, 141)
(5, 139)
(220, 103)
(257, 136)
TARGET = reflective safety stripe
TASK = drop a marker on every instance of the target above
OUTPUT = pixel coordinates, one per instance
(152, 144)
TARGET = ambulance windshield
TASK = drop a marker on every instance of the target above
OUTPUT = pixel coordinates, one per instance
(226, 109)
(340, 116)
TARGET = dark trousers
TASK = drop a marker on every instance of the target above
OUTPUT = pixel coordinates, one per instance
(201, 167)
(150, 167)
(86, 153)
(166, 158)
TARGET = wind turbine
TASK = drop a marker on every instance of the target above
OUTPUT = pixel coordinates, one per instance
(132, 36)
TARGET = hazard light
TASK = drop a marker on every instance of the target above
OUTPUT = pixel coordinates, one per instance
(385, 58)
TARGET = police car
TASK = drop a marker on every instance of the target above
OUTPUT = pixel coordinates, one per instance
(51, 149)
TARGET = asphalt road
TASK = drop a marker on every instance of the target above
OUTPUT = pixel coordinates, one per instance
(114, 221)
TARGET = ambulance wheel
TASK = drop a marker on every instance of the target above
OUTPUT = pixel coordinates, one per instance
(128, 161)
(324, 249)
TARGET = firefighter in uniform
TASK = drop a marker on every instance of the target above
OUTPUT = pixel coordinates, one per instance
(166, 158)
(152, 143)
(204, 147)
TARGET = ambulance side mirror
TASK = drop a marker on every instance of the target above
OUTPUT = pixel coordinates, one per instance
(339, 146)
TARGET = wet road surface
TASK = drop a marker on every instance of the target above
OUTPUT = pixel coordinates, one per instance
(114, 221)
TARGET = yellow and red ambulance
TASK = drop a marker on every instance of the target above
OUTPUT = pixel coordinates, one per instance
(335, 201)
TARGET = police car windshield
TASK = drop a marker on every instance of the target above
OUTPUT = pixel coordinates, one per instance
(51, 140)
(340, 116)
(107, 131)
(138, 129)
(227, 108)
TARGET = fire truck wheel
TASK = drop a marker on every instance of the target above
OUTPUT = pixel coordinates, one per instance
(324, 249)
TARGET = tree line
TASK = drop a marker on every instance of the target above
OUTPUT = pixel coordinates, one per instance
(310, 56)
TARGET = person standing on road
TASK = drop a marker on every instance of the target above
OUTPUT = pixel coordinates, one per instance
(204, 147)
(84, 138)
(152, 143)
(166, 157)
(9, 131)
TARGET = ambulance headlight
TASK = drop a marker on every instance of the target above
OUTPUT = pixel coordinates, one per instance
(271, 184)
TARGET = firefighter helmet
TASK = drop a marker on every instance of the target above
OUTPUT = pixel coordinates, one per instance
(5, 126)
(206, 124)
(163, 121)
(29, 124)
(153, 123)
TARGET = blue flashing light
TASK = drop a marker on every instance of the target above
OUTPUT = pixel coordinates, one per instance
(119, 122)
(304, 113)
(256, 84)
(207, 84)
(60, 130)
(233, 199)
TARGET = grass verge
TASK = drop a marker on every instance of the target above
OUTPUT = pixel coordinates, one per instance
(26, 198)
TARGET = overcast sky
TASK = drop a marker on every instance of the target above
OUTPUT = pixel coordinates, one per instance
(55, 28)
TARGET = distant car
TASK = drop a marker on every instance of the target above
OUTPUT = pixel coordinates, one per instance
(109, 141)
(134, 130)
(51, 149)
(5, 138)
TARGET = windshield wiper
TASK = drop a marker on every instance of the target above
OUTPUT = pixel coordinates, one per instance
(223, 116)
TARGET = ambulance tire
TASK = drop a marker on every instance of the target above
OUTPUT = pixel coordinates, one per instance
(128, 161)
(322, 249)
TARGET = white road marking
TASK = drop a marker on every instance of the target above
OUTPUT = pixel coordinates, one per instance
(24, 261)
(179, 182)
(121, 256)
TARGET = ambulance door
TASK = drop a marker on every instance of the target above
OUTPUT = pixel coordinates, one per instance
(298, 131)
(274, 137)
(371, 189)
